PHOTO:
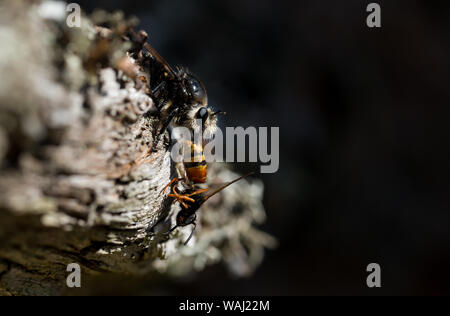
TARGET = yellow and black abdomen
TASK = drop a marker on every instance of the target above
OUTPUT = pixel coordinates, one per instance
(196, 168)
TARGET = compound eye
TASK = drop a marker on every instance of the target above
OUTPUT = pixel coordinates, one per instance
(197, 90)
(202, 114)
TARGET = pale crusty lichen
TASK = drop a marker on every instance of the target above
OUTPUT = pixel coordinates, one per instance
(225, 231)
(75, 166)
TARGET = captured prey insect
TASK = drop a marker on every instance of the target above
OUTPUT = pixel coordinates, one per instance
(177, 93)
(194, 171)
(191, 200)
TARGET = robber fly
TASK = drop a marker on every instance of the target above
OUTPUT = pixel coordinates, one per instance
(177, 93)
(191, 200)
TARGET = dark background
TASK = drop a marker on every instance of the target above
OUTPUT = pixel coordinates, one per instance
(364, 121)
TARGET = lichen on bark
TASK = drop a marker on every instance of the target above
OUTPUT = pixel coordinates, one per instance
(77, 180)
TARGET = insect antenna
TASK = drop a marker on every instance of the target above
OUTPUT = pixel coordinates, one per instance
(211, 194)
(219, 112)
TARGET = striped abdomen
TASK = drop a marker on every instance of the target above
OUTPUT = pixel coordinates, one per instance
(196, 168)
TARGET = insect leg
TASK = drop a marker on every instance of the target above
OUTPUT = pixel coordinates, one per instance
(192, 233)
(174, 180)
(171, 230)
(181, 198)
(190, 236)
(197, 192)
(155, 93)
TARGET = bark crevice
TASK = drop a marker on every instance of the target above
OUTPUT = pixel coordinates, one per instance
(77, 180)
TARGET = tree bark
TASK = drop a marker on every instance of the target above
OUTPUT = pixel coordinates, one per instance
(78, 183)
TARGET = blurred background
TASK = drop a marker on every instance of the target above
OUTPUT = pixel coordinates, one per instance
(364, 122)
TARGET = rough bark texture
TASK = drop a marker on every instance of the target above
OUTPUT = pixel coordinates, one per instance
(77, 181)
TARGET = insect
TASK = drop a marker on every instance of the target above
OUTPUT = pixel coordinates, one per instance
(191, 201)
(194, 170)
(178, 94)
